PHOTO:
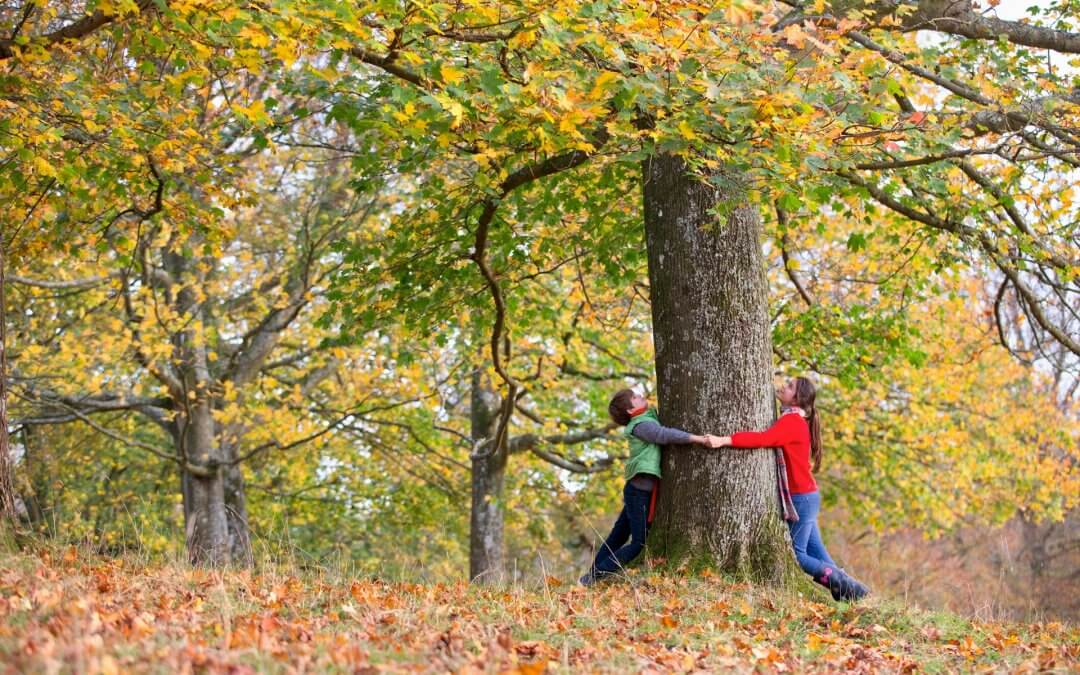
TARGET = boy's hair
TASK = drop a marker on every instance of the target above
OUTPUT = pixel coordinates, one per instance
(619, 408)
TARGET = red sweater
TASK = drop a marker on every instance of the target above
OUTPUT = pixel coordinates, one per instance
(792, 434)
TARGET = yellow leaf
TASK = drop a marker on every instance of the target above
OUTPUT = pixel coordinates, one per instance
(286, 51)
(686, 131)
(254, 37)
(522, 39)
(601, 84)
(452, 75)
(43, 167)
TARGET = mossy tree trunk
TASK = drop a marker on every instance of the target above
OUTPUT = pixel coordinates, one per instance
(713, 365)
(487, 477)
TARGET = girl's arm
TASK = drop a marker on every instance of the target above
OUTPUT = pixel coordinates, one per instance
(780, 433)
(651, 432)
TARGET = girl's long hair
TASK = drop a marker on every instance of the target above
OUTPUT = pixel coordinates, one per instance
(804, 398)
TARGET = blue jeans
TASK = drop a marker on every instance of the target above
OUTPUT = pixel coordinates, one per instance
(805, 536)
(616, 551)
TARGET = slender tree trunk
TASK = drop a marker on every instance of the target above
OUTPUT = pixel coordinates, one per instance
(206, 524)
(187, 498)
(713, 364)
(36, 467)
(7, 484)
(207, 530)
(237, 515)
(488, 470)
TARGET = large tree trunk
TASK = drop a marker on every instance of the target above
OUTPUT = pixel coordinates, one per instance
(713, 364)
(488, 470)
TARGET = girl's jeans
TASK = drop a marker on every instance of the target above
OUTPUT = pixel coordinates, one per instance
(616, 551)
(805, 536)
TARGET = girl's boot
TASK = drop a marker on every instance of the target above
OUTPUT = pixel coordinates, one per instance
(846, 587)
(841, 585)
(825, 578)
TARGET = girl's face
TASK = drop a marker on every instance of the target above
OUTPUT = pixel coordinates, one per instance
(786, 393)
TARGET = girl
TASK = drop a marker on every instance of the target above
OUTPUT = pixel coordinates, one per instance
(798, 434)
(646, 435)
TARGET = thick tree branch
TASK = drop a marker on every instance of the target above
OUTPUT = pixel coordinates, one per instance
(73, 31)
(61, 284)
(573, 465)
(387, 64)
(901, 60)
(959, 17)
(928, 159)
(530, 441)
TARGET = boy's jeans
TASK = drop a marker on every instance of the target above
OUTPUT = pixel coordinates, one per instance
(810, 551)
(616, 551)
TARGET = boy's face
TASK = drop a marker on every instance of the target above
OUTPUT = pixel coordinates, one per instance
(638, 401)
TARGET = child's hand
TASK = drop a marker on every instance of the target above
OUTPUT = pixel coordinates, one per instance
(714, 441)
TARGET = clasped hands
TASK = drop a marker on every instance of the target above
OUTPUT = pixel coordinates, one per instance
(712, 441)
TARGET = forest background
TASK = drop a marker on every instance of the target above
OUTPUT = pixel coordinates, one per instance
(353, 285)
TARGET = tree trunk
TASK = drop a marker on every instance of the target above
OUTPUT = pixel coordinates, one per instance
(37, 465)
(206, 527)
(237, 516)
(7, 483)
(713, 363)
(488, 470)
(207, 531)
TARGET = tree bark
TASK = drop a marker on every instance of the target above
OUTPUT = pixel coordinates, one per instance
(488, 471)
(7, 483)
(206, 528)
(713, 362)
(206, 524)
(237, 516)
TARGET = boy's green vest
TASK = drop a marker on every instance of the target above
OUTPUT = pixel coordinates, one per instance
(644, 457)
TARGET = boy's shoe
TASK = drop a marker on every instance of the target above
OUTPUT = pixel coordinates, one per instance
(587, 579)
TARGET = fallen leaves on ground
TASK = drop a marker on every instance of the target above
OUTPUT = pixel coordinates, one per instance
(64, 609)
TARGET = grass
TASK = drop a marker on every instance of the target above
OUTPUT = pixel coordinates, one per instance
(66, 610)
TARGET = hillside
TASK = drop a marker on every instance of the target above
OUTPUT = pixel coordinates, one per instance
(63, 607)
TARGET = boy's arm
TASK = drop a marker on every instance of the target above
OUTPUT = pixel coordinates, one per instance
(651, 432)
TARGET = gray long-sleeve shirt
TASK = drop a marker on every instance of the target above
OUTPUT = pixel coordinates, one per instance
(651, 432)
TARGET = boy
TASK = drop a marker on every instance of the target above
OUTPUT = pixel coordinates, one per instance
(646, 435)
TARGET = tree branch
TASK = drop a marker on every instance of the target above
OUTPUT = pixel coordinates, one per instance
(958, 17)
(785, 244)
(63, 284)
(387, 64)
(73, 31)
